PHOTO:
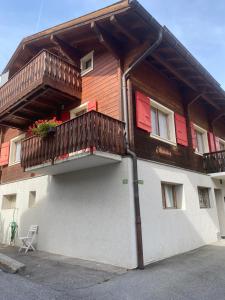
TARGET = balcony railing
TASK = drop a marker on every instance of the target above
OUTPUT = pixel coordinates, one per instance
(91, 130)
(44, 69)
(214, 162)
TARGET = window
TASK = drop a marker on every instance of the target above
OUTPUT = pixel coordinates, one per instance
(32, 199)
(169, 195)
(201, 140)
(78, 111)
(86, 63)
(203, 194)
(9, 201)
(162, 123)
(4, 78)
(15, 149)
(221, 144)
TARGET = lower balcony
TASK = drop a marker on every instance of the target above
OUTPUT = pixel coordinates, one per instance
(214, 164)
(90, 140)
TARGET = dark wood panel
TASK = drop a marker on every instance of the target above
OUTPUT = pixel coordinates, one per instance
(156, 150)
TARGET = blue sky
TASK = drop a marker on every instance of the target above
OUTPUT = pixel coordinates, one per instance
(198, 24)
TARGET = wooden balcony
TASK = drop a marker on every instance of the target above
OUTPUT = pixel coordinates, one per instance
(38, 89)
(90, 140)
(214, 162)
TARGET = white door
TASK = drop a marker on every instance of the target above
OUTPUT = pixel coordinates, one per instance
(220, 210)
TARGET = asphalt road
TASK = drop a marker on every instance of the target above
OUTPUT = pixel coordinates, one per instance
(197, 275)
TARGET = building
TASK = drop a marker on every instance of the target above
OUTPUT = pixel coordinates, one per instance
(135, 173)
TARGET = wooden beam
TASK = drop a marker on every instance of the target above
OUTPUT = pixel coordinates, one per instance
(165, 49)
(174, 59)
(183, 68)
(9, 124)
(42, 103)
(105, 40)
(182, 78)
(194, 77)
(30, 50)
(67, 50)
(38, 113)
(122, 28)
(218, 117)
(21, 116)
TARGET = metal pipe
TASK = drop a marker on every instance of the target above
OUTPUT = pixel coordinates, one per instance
(148, 52)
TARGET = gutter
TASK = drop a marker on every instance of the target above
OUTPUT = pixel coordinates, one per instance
(149, 51)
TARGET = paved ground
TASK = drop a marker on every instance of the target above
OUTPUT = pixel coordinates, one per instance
(199, 275)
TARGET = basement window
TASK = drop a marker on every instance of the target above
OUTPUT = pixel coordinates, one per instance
(169, 195)
(15, 150)
(9, 201)
(86, 63)
(172, 195)
(32, 199)
(203, 194)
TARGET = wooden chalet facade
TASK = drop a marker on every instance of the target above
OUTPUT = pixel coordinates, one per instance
(74, 72)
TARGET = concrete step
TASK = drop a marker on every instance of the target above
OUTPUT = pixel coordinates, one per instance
(10, 265)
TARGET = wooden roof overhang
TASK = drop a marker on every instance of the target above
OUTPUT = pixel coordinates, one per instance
(122, 28)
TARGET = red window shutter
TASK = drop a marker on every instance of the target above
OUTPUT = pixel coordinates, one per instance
(217, 143)
(194, 139)
(181, 130)
(65, 116)
(143, 113)
(211, 140)
(92, 105)
(4, 154)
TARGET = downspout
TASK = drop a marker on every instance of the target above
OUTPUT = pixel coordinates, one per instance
(125, 76)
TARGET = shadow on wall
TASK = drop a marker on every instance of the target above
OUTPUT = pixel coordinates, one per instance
(168, 232)
(75, 220)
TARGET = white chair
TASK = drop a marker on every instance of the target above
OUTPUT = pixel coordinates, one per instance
(29, 239)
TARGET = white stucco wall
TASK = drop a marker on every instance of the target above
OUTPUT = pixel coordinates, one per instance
(89, 214)
(86, 214)
(169, 232)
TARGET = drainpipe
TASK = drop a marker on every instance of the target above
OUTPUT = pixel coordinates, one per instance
(125, 76)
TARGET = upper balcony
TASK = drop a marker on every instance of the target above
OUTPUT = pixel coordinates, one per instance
(38, 89)
(92, 139)
(214, 164)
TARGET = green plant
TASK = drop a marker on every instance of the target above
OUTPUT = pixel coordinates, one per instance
(41, 127)
(13, 226)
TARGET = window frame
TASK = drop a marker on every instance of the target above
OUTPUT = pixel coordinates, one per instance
(164, 201)
(208, 201)
(78, 109)
(6, 200)
(32, 199)
(205, 139)
(170, 121)
(221, 141)
(12, 149)
(84, 59)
